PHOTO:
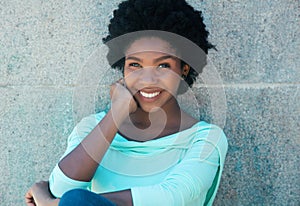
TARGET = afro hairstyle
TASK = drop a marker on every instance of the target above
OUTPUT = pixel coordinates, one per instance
(175, 16)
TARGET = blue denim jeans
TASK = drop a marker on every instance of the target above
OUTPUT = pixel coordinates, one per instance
(80, 197)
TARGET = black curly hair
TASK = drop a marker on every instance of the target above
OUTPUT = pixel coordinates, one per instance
(175, 16)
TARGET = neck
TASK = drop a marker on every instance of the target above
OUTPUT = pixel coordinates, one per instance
(170, 114)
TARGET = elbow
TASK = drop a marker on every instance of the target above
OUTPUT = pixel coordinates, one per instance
(54, 187)
(59, 183)
(181, 193)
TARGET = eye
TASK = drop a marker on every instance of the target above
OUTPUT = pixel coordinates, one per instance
(164, 65)
(136, 65)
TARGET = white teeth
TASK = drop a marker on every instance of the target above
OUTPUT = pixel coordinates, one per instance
(149, 95)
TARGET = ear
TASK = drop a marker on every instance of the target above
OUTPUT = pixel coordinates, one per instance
(185, 70)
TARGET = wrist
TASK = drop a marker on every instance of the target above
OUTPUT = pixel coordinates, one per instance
(54, 202)
(118, 117)
(119, 111)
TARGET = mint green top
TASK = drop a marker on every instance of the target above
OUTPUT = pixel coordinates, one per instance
(179, 169)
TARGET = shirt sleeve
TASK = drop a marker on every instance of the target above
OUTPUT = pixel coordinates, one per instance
(195, 178)
(59, 183)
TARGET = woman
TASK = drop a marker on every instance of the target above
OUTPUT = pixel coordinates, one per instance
(145, 150)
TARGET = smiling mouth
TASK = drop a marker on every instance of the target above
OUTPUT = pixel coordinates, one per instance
(149, 95)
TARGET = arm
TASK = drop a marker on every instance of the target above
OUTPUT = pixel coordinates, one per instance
(88, 143)
(91, 150)
(193, 181)
(61, 181)
(39, 195)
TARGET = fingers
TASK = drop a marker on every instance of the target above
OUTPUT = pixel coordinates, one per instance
(121, 95)
(29, 198)
(122, 82)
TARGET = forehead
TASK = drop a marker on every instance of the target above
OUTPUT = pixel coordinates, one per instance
(150, 44)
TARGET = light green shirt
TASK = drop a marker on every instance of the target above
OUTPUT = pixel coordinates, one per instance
(179, 169)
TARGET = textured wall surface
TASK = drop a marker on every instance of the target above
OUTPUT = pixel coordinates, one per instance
(48, 47)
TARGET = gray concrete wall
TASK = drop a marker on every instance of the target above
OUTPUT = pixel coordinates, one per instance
(46, 46)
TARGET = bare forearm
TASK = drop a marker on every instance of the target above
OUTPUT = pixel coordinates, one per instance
(55, 202)
(120, 198)
(39, 194)
(83, 161)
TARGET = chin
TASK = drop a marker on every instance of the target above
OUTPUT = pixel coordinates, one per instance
(149, 109)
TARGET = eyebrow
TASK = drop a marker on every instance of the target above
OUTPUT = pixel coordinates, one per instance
(134, 58)
(155, 61)
(164, 58)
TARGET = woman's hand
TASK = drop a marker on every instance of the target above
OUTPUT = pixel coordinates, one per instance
(39, 195)
(121, 96)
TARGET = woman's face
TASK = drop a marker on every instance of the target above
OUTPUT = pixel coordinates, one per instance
(152, 72)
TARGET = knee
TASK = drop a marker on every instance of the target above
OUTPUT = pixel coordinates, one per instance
(75, 197)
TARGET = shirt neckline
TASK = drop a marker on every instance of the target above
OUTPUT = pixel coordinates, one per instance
(160, 138)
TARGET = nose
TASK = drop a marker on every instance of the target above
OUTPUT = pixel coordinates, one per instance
(148, 76)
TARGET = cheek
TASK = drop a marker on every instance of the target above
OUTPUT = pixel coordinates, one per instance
(131, 79)
(126, 72)
(171, 82)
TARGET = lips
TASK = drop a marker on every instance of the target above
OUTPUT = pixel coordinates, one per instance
(149, 95)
